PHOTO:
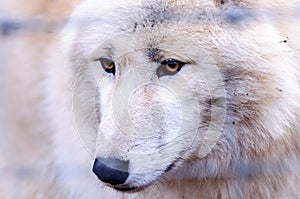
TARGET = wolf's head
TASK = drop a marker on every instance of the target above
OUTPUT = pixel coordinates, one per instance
(155, 85)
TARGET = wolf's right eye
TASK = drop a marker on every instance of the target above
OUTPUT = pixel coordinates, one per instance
(108, 65)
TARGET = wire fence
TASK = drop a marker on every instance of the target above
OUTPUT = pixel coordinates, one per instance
(10, 25)
(14, 27)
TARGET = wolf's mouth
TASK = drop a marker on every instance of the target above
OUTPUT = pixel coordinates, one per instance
(137, 189)
(126, 189)
(129, 189)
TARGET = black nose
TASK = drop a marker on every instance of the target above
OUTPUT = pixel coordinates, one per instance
(112, 171)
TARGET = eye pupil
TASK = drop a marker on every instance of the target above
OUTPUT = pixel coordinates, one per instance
(172, 64)
(169, 67)
(108, 65)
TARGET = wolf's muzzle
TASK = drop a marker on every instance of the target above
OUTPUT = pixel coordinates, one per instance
(110, 170)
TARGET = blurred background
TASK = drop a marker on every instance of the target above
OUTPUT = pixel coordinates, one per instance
(27, 29)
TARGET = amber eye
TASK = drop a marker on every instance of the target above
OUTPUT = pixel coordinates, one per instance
(108, 65)
(169, 67)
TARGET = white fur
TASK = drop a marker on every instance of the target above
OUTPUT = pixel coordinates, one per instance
(254, 118)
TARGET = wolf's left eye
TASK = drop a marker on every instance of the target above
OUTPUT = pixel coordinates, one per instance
(169, 67)
(108, 65)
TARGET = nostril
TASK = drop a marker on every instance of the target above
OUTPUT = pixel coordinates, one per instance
(110, 170)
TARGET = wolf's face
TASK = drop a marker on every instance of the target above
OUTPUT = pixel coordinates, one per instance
(150, 87)
(145, 97)
(153, 104)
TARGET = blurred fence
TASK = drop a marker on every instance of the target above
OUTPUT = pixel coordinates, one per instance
(10, 25)
(15, 27)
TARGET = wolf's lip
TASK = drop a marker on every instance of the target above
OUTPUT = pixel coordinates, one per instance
(125, 189)
(128, 189)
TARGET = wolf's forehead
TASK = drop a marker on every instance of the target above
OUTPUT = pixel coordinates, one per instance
(151, 52)
(151, 24)
(144, 13)
(152, 14)
(134, 14)
(150, 45)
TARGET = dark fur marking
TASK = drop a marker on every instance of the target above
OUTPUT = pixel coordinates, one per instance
(153, 54)
(169, 167)
(157, 14)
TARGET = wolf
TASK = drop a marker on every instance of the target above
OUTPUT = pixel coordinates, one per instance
(174, 99)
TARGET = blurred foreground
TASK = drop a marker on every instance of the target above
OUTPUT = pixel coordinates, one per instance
(27, 29)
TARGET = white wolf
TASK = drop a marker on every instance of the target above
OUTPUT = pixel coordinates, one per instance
(196, 99)
(176, 99)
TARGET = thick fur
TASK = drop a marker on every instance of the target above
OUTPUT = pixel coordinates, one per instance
(228, 120)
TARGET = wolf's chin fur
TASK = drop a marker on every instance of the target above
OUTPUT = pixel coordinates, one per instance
(228, 119)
